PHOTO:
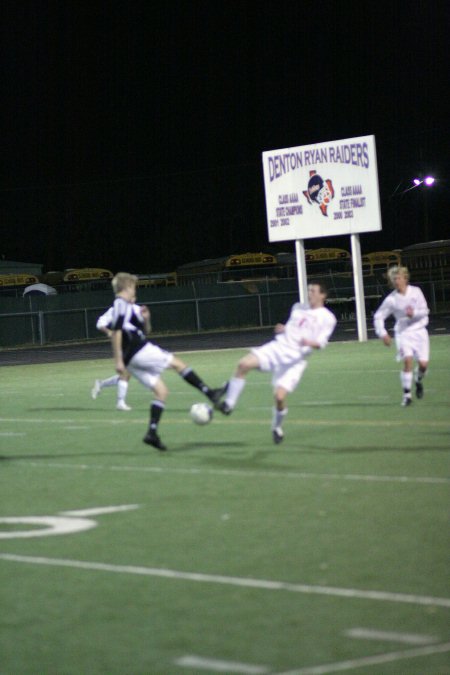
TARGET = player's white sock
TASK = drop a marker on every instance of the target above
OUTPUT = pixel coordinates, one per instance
(235, 387)
(110, 381)
(278, 417)
(122, 388)
(406, 380)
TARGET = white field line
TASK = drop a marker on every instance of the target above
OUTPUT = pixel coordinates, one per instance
(219, 666)
(390, 636)
(56, 525)
(305, 404)
(416, 480)
(238, 421)
(370, 660)
(12, 433)
(263, 584)
(101, 510)
(335, 343)
(25, 387)
(53, 421)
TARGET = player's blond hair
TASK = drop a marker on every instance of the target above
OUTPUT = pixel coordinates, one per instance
(395, 270)
(123, 280)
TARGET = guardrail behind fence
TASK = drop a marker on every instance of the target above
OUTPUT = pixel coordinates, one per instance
(220, 310)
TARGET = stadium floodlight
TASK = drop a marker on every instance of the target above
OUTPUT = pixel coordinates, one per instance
(428, 181)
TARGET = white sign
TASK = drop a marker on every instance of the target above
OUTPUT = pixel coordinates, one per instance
(322, 190)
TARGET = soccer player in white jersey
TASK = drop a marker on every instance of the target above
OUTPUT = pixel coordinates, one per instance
(309, 327)
(119, 381)
(146, 361)
(409, 307)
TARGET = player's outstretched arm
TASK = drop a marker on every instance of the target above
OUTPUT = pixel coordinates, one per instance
(116, 342)
(313, 344)
(379, 318)
(145, 313)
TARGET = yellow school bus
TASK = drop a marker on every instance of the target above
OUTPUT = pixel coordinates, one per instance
(430, 260)
(250, 260)
(9, 280)
(227, 268)
(379, 262)
(87, 274)
(152, 280)
(318, 255)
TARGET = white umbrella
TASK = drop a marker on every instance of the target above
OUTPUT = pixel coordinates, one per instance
(40, 289)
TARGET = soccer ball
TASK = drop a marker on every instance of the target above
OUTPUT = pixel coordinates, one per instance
(201, 413)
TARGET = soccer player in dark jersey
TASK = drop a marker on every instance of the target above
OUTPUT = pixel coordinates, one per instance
(146, 361)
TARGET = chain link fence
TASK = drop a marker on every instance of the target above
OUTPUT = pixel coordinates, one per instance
(48, 320)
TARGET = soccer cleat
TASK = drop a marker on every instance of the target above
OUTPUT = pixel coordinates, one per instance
(121, 405)
(96, 389)
(216, 394)
(277, 435)
(406, 400)
(224, 408)
(419, 389)
(152, 438)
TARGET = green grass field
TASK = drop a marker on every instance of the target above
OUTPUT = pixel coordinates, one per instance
(326, 553)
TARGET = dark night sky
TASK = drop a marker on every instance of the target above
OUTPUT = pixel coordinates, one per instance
(133, 131)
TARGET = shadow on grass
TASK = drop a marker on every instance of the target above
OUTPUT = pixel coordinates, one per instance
(376, 448)
(209, 445)
(361, 449)
(363, 405)
(257, 461)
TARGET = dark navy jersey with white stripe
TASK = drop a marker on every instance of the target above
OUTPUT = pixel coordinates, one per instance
(127, 317)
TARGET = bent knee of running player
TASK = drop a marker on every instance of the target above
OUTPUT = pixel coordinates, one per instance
(177, 364)
(280, 395)
(248, 362)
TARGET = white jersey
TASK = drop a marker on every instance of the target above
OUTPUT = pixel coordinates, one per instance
(285, 355)
(306, 323)
(397, 304)
(105, 320)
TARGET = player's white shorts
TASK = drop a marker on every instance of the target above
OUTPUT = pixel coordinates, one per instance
(415, 343)
(148, 364)
(286, 365)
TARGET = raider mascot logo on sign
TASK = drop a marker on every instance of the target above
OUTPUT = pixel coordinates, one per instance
(319, 191)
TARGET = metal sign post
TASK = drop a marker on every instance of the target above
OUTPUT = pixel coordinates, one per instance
(359, 288)
(301, 270)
